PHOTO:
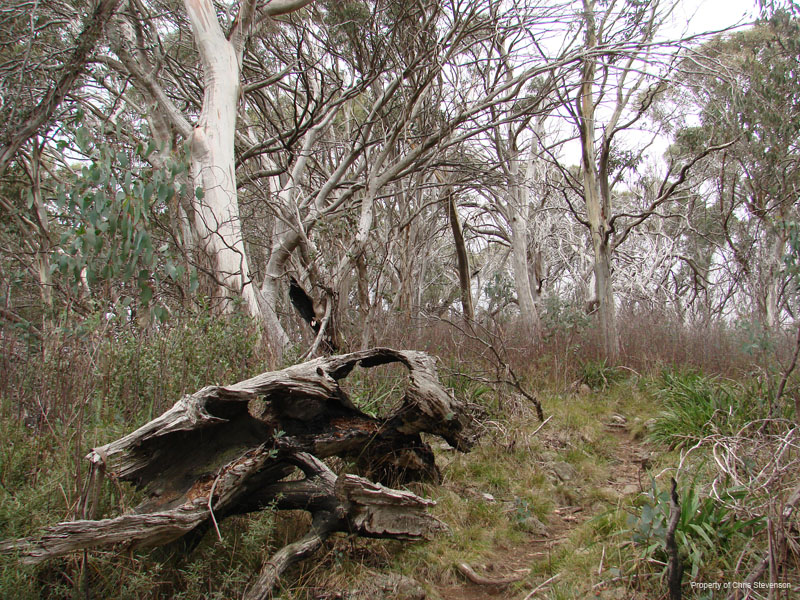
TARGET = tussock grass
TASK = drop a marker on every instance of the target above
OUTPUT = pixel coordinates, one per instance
(695, 406)
(51, 413)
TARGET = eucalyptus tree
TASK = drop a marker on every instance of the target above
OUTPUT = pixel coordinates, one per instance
(416, 110)
(42, 63)
(212, 216)
(45, 49)
(339, 103)
(500, 163)
(745, 89)
(626, 64)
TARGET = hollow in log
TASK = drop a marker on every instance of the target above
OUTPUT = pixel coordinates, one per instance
(227, 450)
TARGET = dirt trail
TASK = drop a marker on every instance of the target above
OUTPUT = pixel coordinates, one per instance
(627, 476)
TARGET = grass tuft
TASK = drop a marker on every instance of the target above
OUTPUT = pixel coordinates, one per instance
(696, 406)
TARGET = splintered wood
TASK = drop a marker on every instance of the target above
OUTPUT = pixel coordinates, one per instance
(224, 451)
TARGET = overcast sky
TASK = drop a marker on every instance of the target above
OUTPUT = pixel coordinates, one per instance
(708, 15)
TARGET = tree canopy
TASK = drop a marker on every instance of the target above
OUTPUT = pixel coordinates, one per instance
(394, 157)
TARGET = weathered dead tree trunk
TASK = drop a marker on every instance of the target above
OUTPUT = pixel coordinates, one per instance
(227, 450)
(348, 504)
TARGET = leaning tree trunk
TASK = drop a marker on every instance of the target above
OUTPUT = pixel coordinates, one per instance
(462, 257)
(217, 221)
(226, 450)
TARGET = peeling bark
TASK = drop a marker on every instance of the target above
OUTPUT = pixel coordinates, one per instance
(217, 222)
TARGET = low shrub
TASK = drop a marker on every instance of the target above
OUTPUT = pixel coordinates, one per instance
(707, 534)
(598, 374)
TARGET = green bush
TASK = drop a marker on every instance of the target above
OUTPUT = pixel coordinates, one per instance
(150, 370)
(707, 532)
(598, 375)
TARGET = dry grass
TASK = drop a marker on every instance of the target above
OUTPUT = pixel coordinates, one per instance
(52, 412)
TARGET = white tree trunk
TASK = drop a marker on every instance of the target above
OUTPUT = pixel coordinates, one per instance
(604, 290)
(287, 240)
(518, 217)
(522, 282)
(216, 215)
(598, 205)
(43, 248)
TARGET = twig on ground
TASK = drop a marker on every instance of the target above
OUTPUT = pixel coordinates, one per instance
(542, 425)
(211, 508)
(470, 574)
(541, 586)
(602, 560)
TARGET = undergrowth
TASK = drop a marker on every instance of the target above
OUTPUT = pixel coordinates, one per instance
(507, 503)
(82, 389)
(709, 533)
(695, 406)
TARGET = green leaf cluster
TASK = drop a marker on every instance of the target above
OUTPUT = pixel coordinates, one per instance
(111, 216)
(696, 406)
(706, 529)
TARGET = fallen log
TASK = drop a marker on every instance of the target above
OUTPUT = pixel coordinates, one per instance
(140, 529)
(349, 504)
(227, 450)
